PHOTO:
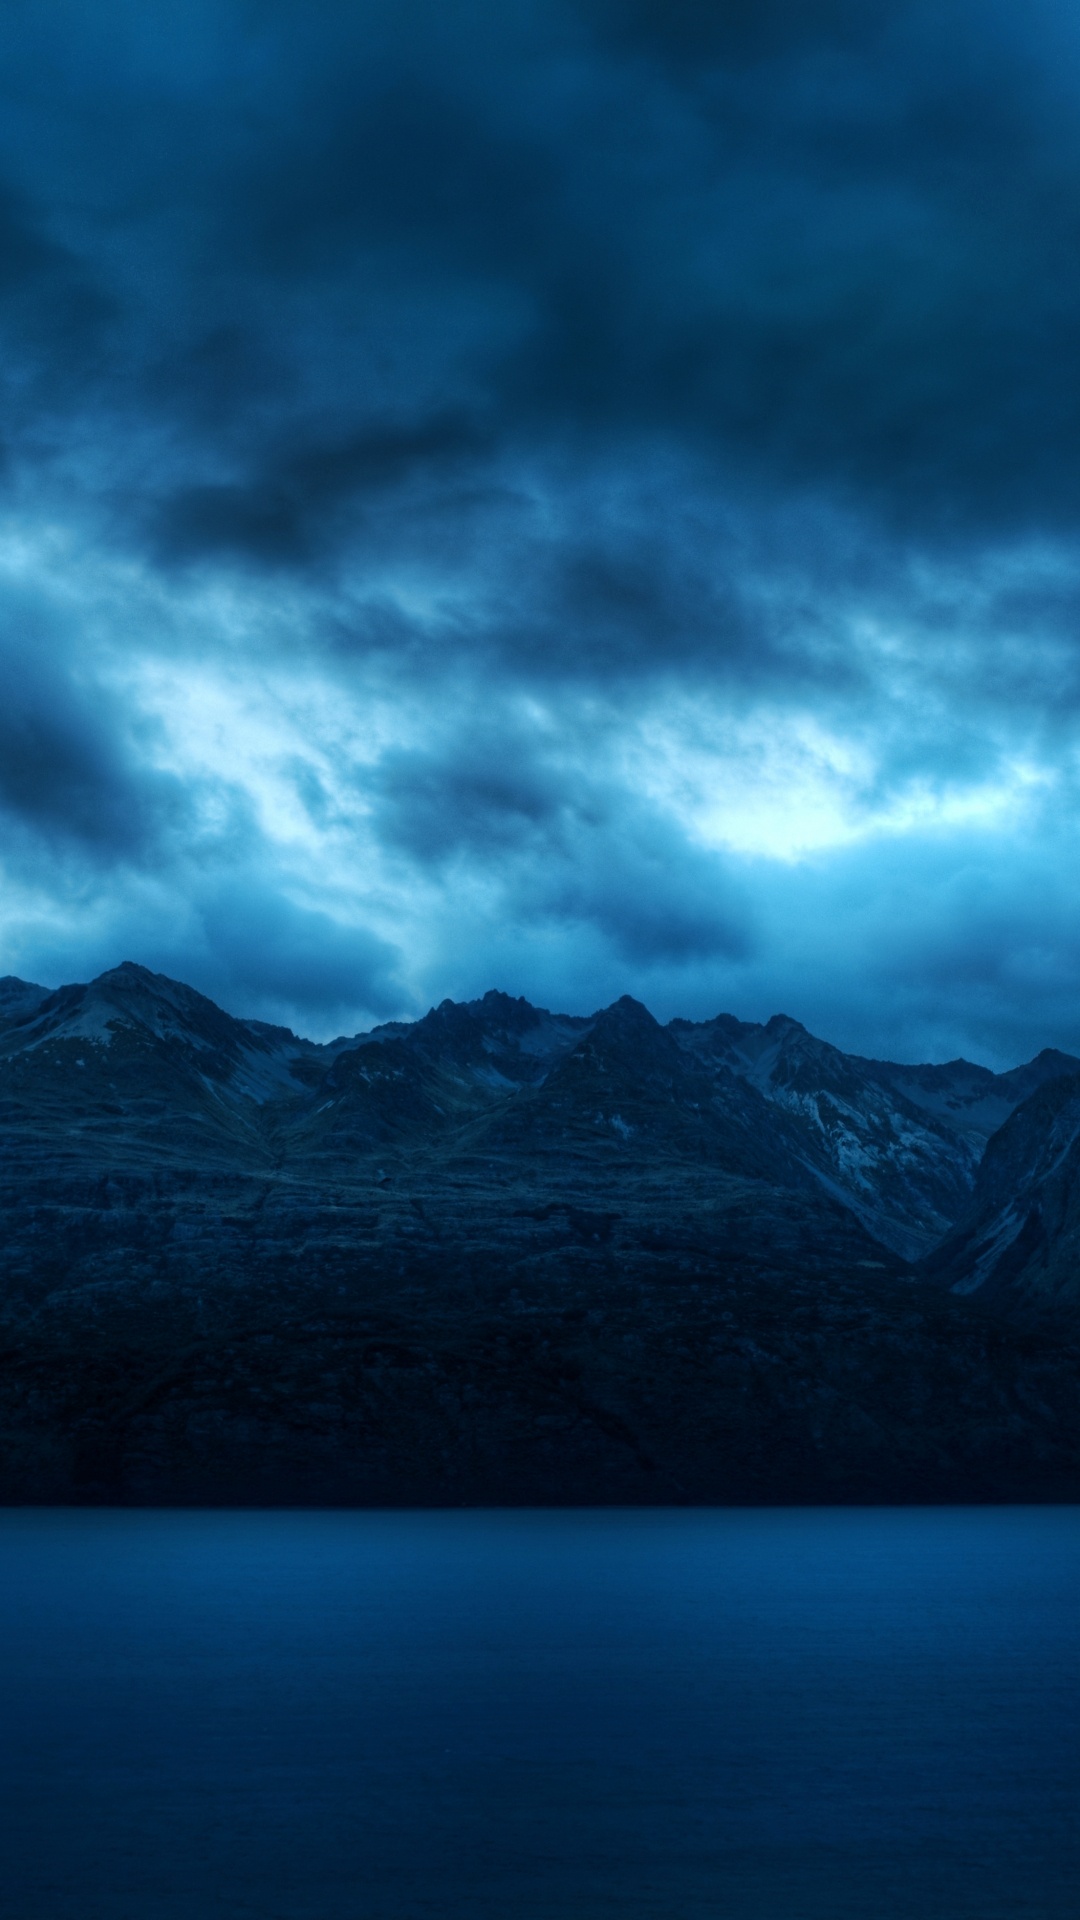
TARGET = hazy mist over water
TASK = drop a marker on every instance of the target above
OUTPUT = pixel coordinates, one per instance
(353, 1716)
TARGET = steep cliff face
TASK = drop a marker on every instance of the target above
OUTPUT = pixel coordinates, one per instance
(1019, 1241)
(900, 1145)
(500, 1253)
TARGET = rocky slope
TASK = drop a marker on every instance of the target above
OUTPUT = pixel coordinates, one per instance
(136, 1064)
(900, 1145)
(1018, 1243)
(499, 1254)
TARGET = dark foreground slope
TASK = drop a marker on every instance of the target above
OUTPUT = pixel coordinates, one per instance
(499, 1256)
(471, 1336)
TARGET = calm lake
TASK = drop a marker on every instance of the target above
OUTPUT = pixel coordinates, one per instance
(340, 1716)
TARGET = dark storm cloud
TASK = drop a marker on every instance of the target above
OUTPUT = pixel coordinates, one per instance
(830, 247)
(486, 796)
(25, 257)
(71, 775)
(289, 956)
(561, 845)
(398, 158)
(292, 511)
(54, 319)
(656, 901)
(586, 354)
(582, 588)
(861, 276)
(696, 33)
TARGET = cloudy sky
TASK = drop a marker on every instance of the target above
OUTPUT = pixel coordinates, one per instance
(573, 495)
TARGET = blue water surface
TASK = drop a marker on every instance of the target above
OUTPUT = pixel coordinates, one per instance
(353, 1716)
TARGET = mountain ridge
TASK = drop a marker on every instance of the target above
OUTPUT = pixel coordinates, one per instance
(500, 1253)
(900, 1145)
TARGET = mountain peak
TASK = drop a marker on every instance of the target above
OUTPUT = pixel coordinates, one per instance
(130, 978)
(504, 1014)
(625, 1016)
(783, 1022)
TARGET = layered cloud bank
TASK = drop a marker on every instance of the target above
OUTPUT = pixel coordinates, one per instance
(583, 496)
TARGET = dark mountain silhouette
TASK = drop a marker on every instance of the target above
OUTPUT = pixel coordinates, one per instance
(500, 1253)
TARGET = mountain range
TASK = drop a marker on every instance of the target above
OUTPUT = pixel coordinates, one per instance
(502, 1253)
